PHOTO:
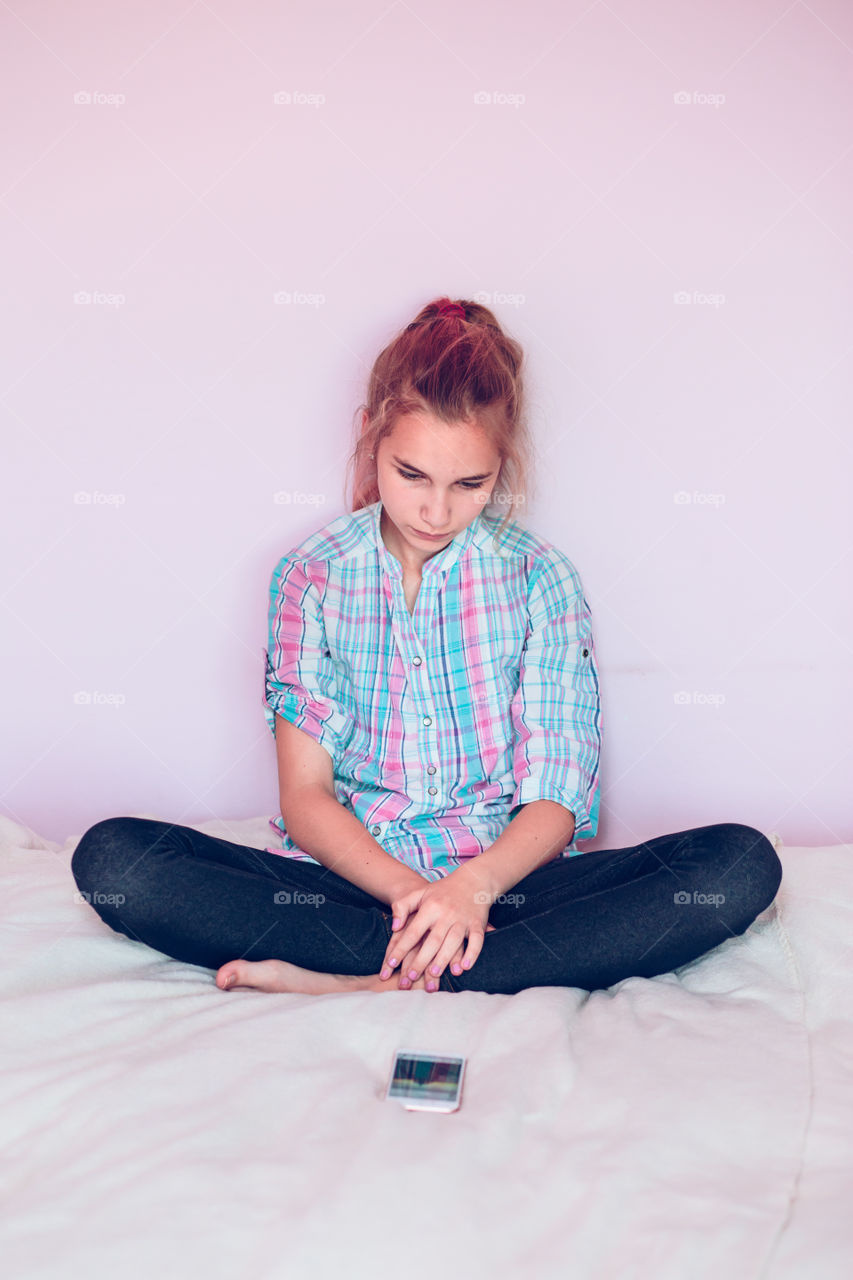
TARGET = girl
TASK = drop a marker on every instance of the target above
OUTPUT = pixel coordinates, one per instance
(433, 693)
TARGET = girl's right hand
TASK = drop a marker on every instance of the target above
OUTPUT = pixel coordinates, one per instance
(402, 908)
(455, 965)
(403, 983)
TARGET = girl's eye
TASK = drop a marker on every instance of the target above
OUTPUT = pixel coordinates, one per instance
(466, 484)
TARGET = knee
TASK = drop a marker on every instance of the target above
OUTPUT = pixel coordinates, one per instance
(96, 863)
(749, 866)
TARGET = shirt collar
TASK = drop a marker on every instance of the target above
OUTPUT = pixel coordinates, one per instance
(439, 563)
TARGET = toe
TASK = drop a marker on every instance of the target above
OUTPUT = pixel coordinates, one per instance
(228, 975)
(259, 975)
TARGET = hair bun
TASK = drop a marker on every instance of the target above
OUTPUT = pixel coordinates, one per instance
(448, 308)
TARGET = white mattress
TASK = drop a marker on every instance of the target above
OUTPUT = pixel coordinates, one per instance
(697, 1124)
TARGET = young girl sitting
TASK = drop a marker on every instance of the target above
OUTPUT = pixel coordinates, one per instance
(432, 688)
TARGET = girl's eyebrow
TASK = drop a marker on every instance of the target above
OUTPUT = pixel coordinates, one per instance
(409, 467)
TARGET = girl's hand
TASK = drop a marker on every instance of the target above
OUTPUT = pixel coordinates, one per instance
(402, 908)
(407, 903)
(405, 983)
(456, 962)
(439, 918)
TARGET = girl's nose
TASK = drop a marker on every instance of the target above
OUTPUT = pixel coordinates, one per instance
(436, 518)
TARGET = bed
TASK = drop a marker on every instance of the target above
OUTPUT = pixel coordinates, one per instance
(697, 1124)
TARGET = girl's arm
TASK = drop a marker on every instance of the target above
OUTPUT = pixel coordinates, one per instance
(536, 834)
(318, 823)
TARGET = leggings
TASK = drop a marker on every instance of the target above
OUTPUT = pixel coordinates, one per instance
(585, 921)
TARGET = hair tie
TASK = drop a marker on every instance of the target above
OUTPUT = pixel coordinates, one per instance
(452, 309)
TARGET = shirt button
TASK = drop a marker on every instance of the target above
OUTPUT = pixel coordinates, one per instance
(375, 830)
(433, 791)
(586, 653)
(427, 720)
(431, 769)
(416, 662)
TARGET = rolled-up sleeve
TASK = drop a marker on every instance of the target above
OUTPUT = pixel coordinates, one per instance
(300, 678)
(556, 711)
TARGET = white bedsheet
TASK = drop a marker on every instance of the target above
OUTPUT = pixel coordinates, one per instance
(698, 1124)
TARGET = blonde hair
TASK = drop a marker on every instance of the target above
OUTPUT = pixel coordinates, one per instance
(457, 369)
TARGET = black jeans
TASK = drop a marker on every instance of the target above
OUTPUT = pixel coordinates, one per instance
(586, 921)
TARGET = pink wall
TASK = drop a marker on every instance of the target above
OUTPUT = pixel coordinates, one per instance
(628, 158)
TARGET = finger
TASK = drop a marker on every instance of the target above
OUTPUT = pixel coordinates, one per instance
(417, 928)
(400, 914)
(410, 967)
(451, 951)
(475, 946)
(423, 955)
(436, 946)
(436, 968)
(401, 947)
(456, 957)
(391, 959)
(404, 959)
(404, 982)
(456, 960)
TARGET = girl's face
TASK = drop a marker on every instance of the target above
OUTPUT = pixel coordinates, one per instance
(432, 478)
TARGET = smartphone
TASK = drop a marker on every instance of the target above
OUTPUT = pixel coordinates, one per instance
(424, 1083)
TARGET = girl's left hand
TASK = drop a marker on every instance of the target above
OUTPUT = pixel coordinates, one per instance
(404, 984)
(449, 911)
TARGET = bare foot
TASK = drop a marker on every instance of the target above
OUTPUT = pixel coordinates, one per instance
(280, 975)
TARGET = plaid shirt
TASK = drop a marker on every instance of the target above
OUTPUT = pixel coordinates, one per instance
(439, 724)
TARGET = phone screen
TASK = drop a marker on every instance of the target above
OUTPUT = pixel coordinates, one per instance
(422, 1082)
